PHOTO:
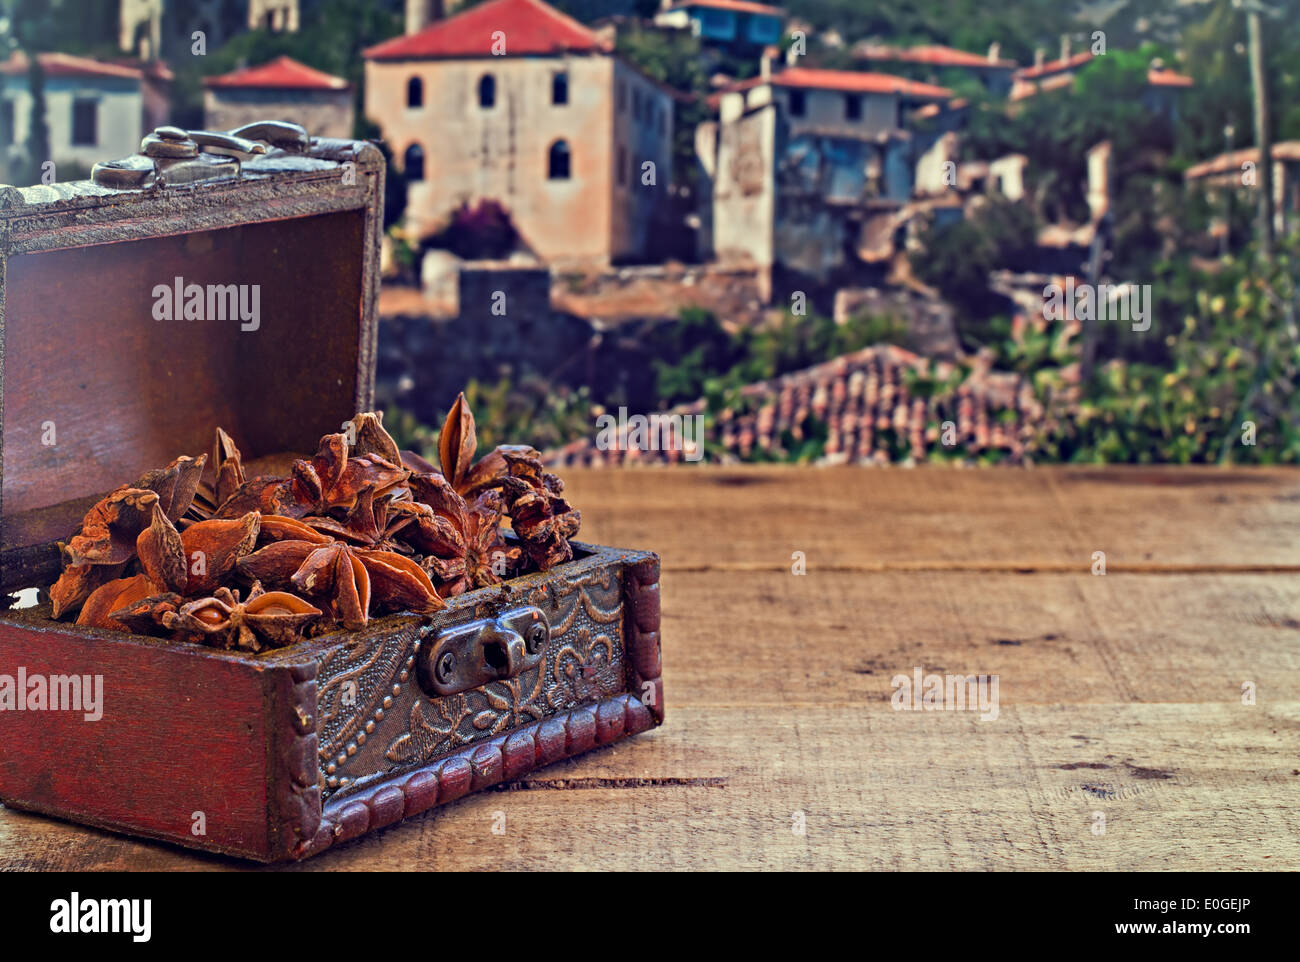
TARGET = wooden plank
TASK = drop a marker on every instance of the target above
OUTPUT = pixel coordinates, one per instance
(1180, 787)
(1144, 670)
(757, 516)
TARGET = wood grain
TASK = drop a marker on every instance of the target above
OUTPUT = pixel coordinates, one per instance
(1119, 695)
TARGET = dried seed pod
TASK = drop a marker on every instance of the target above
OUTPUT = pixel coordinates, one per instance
(77, 583)
(213, 548)
(145, 617)
(113, 596)
(109, 530)
(175, 484)
(162, 552)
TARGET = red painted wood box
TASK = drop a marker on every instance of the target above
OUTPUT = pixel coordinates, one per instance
(280, 755)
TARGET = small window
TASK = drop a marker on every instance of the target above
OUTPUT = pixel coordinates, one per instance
(413, 162)
(487, 91)
(6, 122)
(621, 170)
(560, 88)
(852, 107)
(85, 122)
(636, 103)
(663, 122)
(798, 103)
(558, 161)
(622, 96)
(415, 92)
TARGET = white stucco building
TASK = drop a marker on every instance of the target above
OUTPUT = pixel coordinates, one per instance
(93, 110)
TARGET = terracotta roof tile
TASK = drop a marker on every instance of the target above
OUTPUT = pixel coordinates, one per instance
(864, 403)
(936, 54)
(1287, 150)
(66, 65)
(529, 26)
(283, 73)
(736, 6)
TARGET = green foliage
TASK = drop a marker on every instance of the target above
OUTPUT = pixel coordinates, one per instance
(956, 259)
(529, 411)
(331, 40)
(1233, 365)
(697, 357)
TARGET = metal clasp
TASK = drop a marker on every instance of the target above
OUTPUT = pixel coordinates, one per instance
(469, 656)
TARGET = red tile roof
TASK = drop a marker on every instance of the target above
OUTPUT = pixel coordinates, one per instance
(1156, 78)
(848, 81)
(1168, 78)
(1054, 66)
(283, 73)
(853, 81)
(66, 65)
(530, 27)
(1287, 150)
(870, 416)
(736, 6)
(934, 54)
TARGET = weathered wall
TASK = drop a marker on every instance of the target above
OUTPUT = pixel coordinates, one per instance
(744, 190)
(472, 153)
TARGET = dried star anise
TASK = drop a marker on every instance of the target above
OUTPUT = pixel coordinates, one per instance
(112, 596)
(541, 518)
(462, 542)
(196, 560)
(361, 526)
(265, 619)
(330, 481)
(346, 579)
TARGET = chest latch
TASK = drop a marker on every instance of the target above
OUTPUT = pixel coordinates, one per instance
(469, 656)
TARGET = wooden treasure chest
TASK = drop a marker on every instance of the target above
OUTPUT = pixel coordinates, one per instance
(112, 365)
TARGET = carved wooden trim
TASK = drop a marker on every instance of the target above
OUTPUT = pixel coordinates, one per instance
(641, 633)
(294, 792)
(508, 756)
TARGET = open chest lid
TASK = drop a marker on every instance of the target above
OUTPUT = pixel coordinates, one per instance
(214, 280)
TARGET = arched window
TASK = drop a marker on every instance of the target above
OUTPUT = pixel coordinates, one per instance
(560, 88)
(415, 92)
(413, 162)
(487, 91)
(558, 161)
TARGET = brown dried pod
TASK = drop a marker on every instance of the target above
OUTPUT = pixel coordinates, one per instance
(109, 530)
(77, 583)
(113, 596)
(162, 552)
(213, 548)
(462, 543)
(373, 439)
(175, 484)
(541, 518)
(275, 617)
(145, 617)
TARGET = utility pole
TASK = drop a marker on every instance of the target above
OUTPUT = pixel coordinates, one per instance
(1259, 90)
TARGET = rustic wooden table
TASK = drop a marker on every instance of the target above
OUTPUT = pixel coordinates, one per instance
(1121, 696)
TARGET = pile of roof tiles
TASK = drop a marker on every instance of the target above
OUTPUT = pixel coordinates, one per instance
(863, 405)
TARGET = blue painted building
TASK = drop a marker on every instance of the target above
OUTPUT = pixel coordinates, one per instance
(738, 25)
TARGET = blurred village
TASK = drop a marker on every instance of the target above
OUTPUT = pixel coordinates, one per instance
(829, 229)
